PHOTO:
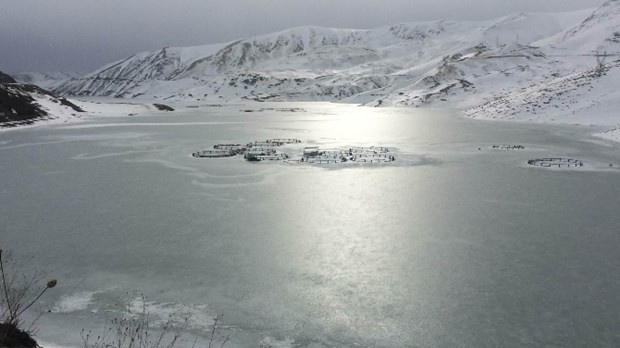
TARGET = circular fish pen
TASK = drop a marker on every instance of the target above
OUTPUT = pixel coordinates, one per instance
(555, 162)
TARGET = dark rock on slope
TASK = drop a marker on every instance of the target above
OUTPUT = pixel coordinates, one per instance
(163, 107)
(18, 103)
(4, 78)
(17, 107)
(12, 337)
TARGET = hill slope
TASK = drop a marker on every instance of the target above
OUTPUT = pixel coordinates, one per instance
(22, 104)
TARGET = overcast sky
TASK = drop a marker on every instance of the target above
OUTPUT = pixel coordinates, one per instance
(81, 35)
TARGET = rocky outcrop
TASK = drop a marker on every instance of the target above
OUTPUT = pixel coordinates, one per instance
(19, 104)
(4, 78)
(163, 107)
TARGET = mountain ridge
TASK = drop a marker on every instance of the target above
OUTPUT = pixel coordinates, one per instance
(436, 63)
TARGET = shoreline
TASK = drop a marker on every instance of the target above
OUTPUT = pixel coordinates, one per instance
(116, 107)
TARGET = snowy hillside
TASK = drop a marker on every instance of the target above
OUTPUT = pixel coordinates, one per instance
(327, 63)
(582, 84)
(25, 104)
(44, 80)
(598, 32)
(514, 67)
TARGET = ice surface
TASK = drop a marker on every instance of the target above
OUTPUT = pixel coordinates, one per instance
(297, 255)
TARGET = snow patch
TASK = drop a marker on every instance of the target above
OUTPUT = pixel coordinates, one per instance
(80, 301)
(275, 343)
(198, 316)
(610, 134)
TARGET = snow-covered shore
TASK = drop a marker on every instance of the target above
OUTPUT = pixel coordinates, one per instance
(92, 107)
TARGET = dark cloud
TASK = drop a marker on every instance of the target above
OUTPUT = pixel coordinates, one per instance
(80, 35)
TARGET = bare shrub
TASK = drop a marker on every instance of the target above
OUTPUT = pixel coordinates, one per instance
(216, 337)
(20, 289)
(134, 330)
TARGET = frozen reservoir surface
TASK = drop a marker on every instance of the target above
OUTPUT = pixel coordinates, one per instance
(452, 244)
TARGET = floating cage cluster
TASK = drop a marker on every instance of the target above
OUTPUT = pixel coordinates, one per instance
(267, 150)
(253, 156)
(264, 154)
(274, 109)
(232, 147)
(553, 162)
(213, 153)
(317, 156)
(255, 151)
(370, 154)
(274, 142)
(221, 150)
(284, 141)
(508, 147)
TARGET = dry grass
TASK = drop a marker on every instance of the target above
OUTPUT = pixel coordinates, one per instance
(131, 329)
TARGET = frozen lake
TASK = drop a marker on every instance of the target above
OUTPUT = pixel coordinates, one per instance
(447, 246)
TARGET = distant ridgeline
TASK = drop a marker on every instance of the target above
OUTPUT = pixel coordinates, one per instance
(520, 66)
(21, 103)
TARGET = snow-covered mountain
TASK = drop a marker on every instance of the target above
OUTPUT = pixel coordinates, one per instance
(598, 32)
(24, 104)
(503, 66)
(44, 79)
(583, 84)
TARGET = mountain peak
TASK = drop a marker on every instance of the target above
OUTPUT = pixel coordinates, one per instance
(414, 63)
(600, 31)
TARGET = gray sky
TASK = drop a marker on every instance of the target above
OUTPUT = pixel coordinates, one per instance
(81, 35)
